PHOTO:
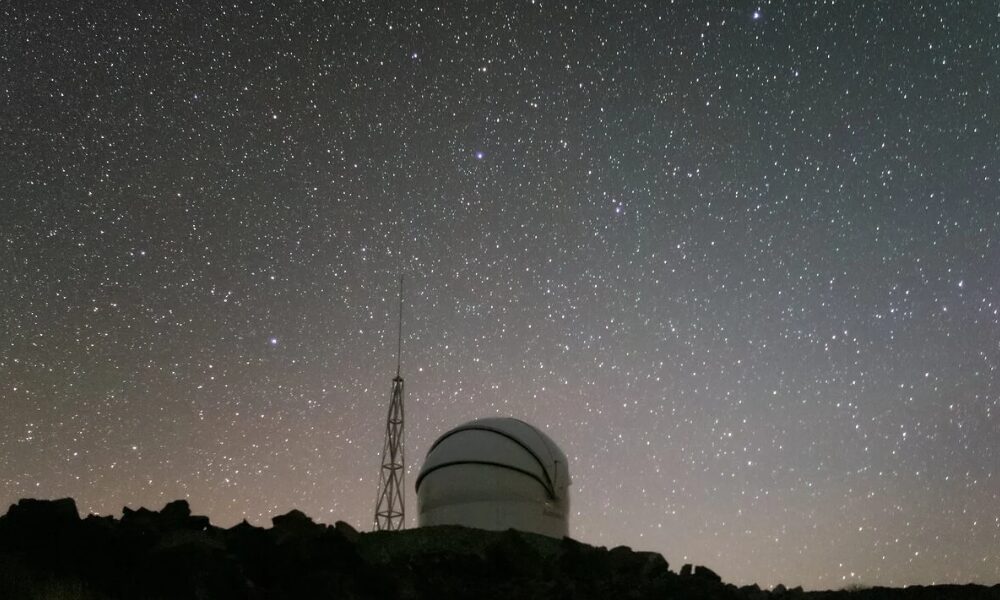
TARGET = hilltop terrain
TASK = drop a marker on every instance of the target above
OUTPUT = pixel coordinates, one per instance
(48, 552)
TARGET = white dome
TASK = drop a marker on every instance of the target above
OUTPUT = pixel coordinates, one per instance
(496, 473)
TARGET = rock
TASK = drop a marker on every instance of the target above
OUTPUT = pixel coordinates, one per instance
(242, 531)
(255, 550)
(706, 573)
(178, 510)
(104, 521)
(653, 565)
(141, 518)
(752, 592)
(192, 565)
(199, 522)
(350, 534)
(47, 551)
(44, 513)
(511, 554)
(177, 515)
(45, 532)
(621, 560)
(579, 561)
(294, 521)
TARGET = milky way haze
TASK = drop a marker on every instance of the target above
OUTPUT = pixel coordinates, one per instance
(741, 263)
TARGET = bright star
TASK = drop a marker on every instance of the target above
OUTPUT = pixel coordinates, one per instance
(480, 155)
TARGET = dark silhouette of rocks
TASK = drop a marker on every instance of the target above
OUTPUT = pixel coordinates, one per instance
(44, 514)
(48, 551)
(347, 531)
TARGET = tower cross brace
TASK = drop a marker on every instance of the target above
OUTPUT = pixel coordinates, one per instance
(390, 513)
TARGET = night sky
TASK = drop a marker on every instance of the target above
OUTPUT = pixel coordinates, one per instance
(741, 261)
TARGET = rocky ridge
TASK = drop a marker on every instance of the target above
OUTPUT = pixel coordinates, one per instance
(47, 551)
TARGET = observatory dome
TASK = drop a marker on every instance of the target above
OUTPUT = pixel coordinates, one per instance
(497, 473)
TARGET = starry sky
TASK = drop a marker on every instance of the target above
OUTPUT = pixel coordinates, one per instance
(741, 261)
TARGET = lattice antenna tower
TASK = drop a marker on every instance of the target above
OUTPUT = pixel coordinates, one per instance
(390, 512)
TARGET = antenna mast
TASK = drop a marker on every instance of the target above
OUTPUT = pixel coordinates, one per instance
(399, 339)
(390, 514)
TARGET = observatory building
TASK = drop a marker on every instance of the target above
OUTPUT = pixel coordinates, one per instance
(498, 474)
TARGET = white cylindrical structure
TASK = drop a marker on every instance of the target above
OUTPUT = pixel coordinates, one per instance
(496, 473)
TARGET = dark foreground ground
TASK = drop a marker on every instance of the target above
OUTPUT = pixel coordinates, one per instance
(48, 552)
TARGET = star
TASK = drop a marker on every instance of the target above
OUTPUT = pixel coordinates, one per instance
(714, 269)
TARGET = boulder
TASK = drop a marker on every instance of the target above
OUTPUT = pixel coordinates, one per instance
(44, 546)
(753, 592)
(653, 565)
(294, 522)
(706, 573)
(349, 533)
(177, 515)
(511, 554)
(141, 518)
(44, 513)
(178, 510)
(48, 529)
(255, 550)
(191, 564)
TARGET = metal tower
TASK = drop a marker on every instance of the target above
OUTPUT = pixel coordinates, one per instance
(390, 514)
